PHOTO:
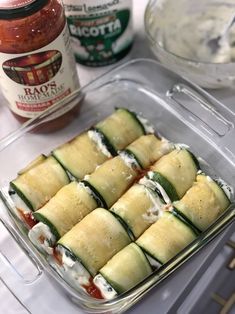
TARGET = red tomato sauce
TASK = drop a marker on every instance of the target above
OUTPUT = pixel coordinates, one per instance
(92, 290)
(57, 257)
(27, 218)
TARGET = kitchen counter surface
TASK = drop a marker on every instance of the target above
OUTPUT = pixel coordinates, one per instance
(163, 299)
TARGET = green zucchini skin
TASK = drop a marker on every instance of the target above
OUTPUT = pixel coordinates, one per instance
(134, 157)
(111, 180)
(135, 208)
(221, 196)
(41, 182)
(179, 168)
(166, 237)
(194, 158)
(203, 203)
(147, 149)
(120, 129)
(126, 269)
(14, 187)
(116, 175)
(41, 158)
(95, 239)
(69, 206)
(185, 220)
(40, 217)
(135, 117)
(166, 185)
(105, 141)
(96, 195)
(80, 156)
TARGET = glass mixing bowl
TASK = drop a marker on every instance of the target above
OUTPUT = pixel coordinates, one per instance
(183, 35)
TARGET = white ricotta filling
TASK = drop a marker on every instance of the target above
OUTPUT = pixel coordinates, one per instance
(87, 177)
(96, 137)
(166, 146)
(105, 288)
(71, 269)
(129, 160)
(42, 237)
(155, 212)
(228, 190)
(86, 187)
(209, 179)
(19, 204)
(179, 146)
(148, 182)
(154, 263)
(148, 127)
(206, 20)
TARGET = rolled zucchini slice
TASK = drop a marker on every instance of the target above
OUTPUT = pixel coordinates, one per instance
(221, 196)
(148, 149)
(176, 172)
(139, 207)
(125, 269)
(38, 160)
(121, 128)
(81, 155)
(95, 239)
(166, 237)
(69, 206)
(37, 185)
(111, 180)
(203, 203)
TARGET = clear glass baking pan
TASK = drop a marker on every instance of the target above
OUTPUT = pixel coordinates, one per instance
(179, 111)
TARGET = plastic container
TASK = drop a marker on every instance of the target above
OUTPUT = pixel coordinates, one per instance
(101, 31)
(179, 110)
(37, 65)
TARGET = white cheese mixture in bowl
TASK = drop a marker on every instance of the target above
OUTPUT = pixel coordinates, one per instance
(190, 38)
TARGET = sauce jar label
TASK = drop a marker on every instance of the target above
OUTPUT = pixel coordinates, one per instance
(37, 78)
(101, 30)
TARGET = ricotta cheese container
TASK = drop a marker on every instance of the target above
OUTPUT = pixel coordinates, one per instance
(101, 30)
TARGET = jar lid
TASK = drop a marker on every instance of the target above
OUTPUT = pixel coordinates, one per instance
(10, 9)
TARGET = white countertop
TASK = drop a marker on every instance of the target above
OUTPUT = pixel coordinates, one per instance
(44, 298)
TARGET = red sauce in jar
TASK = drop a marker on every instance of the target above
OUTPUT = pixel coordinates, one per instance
(37, 65)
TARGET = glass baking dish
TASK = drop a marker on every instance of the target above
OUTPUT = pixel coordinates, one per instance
(179, 111)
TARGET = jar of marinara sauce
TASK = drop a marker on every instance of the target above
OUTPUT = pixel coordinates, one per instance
(37, 66)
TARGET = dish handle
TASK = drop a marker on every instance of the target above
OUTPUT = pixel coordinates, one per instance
(202, 110)
(18, 245)
(19, 270)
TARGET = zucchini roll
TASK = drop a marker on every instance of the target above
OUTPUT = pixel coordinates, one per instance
(166, 237)
(114, 177)
(148, 149)
(122, 128)
(69, 206)
(174, 173)
(37, 183)
(123, 271)
(111, 180)
(81, 155)
(139, 207)
(203, 203)
(91, 243)
(84, 153)
(75, 201)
